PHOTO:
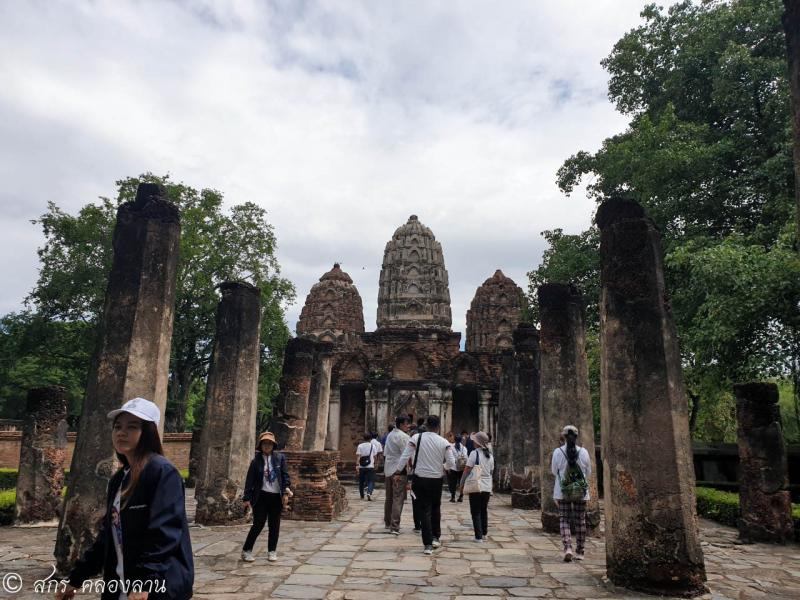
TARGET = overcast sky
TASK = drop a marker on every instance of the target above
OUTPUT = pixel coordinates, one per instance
(340, 118)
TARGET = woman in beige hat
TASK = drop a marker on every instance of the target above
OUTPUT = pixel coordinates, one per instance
(265, 489)
(482, 460)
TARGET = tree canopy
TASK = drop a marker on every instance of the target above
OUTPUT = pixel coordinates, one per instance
(216, 245)
(708, 153)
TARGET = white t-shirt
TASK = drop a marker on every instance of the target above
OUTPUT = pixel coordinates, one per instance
(459, 451)
(377, 445)
(116, 534)
(435, 455)
(558, 466)
(395, 444)
(367, 449)
(487, 468)
(273, 487)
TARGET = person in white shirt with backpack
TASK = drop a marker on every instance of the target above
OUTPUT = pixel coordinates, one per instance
(476, 482)
(365, 466)
(571, 466)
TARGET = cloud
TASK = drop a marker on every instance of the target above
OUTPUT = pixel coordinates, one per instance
(340, 118)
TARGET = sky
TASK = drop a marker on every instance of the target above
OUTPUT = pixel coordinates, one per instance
(341, 119)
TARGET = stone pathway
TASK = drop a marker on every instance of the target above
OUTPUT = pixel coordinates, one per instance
(352, 559)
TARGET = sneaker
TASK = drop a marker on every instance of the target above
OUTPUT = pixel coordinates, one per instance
(247, 556)
(460, 499)
(428, 550)
(579, 556)
(369, 497)
(272, 556)
(478, 540)
(568, 556)
(452, 498)
(395, 532)
(436, 543)
(387, 530)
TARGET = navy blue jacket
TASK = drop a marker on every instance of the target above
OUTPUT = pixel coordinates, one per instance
(255, 475)
(155, 536)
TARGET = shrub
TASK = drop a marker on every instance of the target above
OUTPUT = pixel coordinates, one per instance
(719, 506)
(8, 479)
(8, 499)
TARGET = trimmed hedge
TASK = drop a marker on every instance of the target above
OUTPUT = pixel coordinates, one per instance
(8, 477)
(723, 507)
(8, 499)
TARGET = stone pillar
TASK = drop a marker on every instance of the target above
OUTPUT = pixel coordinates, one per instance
(131, 358)
(42, 455)
(652, 541)
(319, 399)
(228, 442)
(291, 407)
(484, 400)
(194, 455)
(376, 414)
(507, 411)
(525, 484)
(564, 391)
(334, 418)
(766, 509)
(435, 405)
(447, 410)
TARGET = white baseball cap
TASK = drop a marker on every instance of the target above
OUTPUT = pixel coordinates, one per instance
(139, 407)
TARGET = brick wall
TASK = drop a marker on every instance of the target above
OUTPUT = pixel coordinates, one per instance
(176, 448)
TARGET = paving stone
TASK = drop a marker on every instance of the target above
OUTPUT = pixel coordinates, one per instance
(503, 582)
(299, 591)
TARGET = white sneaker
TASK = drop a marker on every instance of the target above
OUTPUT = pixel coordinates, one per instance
(395, 532)
(478, 540)
(369, 497)
(579, 556)
(436, 543)
(428, 550)
(568, 556)
(272, 556)
(247, 556)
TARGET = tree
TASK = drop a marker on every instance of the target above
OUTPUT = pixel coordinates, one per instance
(708, 153)
(216, 245)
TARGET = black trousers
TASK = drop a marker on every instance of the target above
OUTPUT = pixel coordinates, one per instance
(268, 506)
(479, 509)
(429, 503)
(453, 478)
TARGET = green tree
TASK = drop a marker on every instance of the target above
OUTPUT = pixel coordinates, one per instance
(708, 153)
(216, 245)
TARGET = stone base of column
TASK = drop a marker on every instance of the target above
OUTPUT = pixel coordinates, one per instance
(222, 507)
(525, 492)
(772, 523)
(318, 493)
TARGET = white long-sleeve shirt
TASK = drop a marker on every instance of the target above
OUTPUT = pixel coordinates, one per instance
(435, 455)
(558, 466)
(395, 445)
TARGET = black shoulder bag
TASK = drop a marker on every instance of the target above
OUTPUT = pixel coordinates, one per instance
(413, 475)
(365, 460)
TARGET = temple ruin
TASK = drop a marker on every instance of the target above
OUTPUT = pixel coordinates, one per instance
(412, 363)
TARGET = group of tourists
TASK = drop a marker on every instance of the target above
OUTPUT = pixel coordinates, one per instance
(417, 462)
(144, 535)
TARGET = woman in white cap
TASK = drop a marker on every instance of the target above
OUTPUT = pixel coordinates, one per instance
(143, 546)
(480, 489)
(571, 467)
(265, 490)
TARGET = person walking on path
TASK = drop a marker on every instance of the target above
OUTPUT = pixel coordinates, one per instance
(454, 476)
(365, 466)
(432, 454)
(378, 449)
(266, 490)
(143, 547)
(480, 458)
(396, 474)
(571, 466)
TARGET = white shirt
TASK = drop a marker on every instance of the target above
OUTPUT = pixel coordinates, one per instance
(487, 468)
(377, 445)
(367, 449)
(434, 452)
(558, 466)
(395, 444)
(273, 487)
(459, 451)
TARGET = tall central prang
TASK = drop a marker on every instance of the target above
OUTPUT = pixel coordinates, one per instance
(413, 289)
